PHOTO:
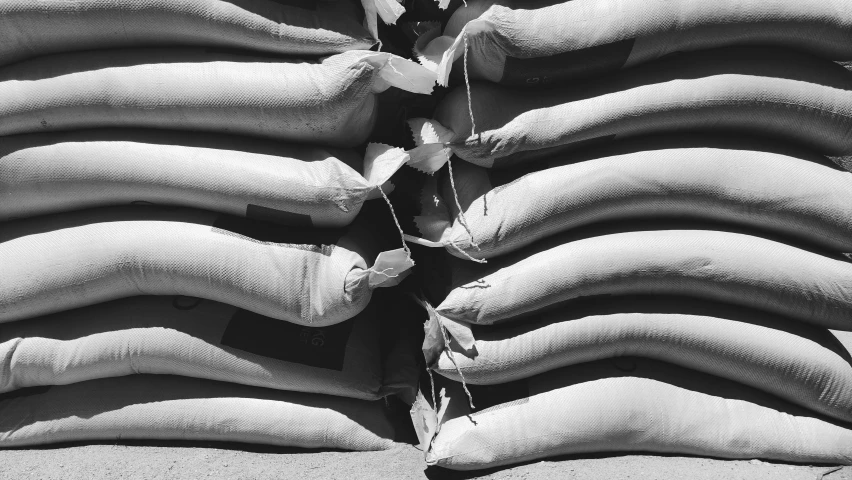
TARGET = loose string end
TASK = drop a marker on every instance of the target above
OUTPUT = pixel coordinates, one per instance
(398, 226)
(452, 359)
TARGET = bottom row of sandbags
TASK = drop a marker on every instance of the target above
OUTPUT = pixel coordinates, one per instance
(621, 404)
(166, 407)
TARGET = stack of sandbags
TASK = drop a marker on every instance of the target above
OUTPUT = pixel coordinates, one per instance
(140, 235)
(638, 255)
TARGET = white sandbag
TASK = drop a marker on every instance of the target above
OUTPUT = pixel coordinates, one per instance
(713, 265)
(505, 211)
(193, 338)
(166, 407)
(30, 28)
(624, 405)
(800, 363)
(313, 277)
(518, 42)
(329, 102)
(300, 185)
(751, 91)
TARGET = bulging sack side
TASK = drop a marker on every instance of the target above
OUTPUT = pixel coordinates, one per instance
(800, 363)
(312, 277)
(30, 28)
(166, 407)
(331, 102)
(756, 91)
(713, 265)
(192, 337)
(623, 405)
(541, 43)
(505, 210)
(292, 184)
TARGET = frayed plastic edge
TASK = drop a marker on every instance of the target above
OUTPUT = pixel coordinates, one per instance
(401, 73)
(388, 10)
(390, 268)
(381, 162)
(436, 342)
(427, 420)
(431, 139)
(438, 53)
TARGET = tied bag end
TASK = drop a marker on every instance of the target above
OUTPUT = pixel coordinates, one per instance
(438, 52)
(381, 162)
(395, 71)
(390, 268)
(427, 420)
(431, 152)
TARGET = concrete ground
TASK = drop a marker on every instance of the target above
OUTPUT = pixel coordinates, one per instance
(184, 461)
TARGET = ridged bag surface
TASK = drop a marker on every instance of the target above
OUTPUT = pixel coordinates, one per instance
(30, 28)
(756, 91)
(728, 267)
(166, 407)
(330, 102)
(624, 405)
(506, 210)
(539, 43)
(312, 277)
(800, 363)
(300, 185)
(192, 337)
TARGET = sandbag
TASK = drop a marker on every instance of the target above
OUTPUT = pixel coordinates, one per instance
(298, 185)
(166, 407)
(312, 277)
(193, 338)
(30, 28)
(330, 102)
(728, 267)
(751, 91)
(800, 363)
(518, 42)
(505, 210)
(623, 405)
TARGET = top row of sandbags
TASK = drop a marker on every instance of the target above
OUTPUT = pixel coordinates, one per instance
(536, 42)
(31, 28)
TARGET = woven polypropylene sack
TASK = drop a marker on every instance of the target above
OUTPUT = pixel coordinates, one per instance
(30, 28)
(313, 277)
(330, 102)
(505, 210)
(539, 43)
(167, 407)
(194, 338)
(755, 91)
(624, 405)
(729, 267)
(800, 363)
(299, 185)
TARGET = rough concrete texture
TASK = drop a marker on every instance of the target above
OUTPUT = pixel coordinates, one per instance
(240, 462)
